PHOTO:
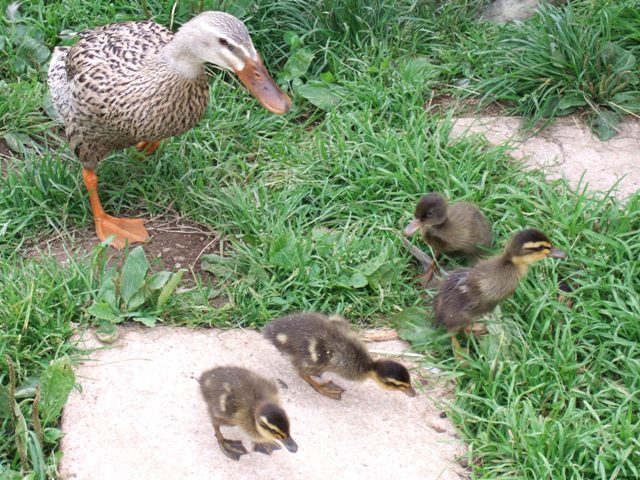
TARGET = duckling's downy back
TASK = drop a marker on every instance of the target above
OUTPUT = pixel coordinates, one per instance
(234, 392)
(317, 343)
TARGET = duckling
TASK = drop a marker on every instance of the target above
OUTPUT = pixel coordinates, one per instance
(459, 228)
(316, 344)
(237, 396)
(469, 293)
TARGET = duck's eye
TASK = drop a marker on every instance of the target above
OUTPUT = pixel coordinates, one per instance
(223, 42)
(429, 213)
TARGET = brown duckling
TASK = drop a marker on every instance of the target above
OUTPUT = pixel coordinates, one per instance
(469, 293)
(316, 344)
(237, 396)
(459, 228)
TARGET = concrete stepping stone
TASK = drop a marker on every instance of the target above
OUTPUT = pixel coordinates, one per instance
(567, 149)
(140, 415)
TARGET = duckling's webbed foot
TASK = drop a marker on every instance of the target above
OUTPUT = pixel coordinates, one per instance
(266, 448)
(476, 329)
(233, 449)
(328, 389)
(457, 348)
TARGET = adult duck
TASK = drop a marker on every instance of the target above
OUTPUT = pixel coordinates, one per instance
(135, 83)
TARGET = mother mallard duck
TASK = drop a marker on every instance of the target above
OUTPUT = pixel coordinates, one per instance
(135, 83)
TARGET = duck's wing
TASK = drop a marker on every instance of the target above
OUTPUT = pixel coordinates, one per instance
(118, 48)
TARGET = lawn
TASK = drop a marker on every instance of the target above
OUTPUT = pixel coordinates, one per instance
(310, 206)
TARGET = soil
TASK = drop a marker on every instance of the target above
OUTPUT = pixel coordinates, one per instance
(174, 244)
(4, 153)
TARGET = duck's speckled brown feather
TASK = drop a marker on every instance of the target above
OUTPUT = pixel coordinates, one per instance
(113, 89)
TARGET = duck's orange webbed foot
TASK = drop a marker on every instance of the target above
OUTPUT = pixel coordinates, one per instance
(125, 229)
(147, 148)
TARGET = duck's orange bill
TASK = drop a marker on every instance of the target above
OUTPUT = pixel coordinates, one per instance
(256, 78)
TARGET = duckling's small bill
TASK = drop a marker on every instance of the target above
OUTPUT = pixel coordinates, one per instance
(290, 444)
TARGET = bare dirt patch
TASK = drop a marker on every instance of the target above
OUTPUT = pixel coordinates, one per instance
(174, 244)
(4, 153)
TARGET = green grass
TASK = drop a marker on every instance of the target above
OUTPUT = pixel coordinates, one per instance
(310, 206)
(568, 58)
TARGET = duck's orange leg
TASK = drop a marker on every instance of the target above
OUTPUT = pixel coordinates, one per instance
(147, 148)
(125, 229)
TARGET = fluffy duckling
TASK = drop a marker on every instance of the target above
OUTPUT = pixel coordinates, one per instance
(316, 344)
(459, 228)
(237, 396)
(469, 293)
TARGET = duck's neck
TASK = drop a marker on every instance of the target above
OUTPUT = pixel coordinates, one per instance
(512, 262)
(178, 56)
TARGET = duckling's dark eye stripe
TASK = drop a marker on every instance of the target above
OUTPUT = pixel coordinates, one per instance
(537, 246)
(395, 383)
(274, 430)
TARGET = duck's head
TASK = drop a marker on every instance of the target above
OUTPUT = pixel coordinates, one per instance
(223, 40)
(273, 424)
(392, 375)
(431, 210)
(530, 246)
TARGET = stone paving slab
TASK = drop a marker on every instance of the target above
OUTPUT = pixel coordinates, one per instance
(567, 149)
(139, 415)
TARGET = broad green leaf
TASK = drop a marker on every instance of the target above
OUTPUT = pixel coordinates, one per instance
(169, 288)
(133, 273)
(52, 435)
(297, 65)
(107, 292)
(327, 77)
(385, 275)
(371, 266)
(56, 383)
(256, 274)
(417, 69)
(21, 431)
(14, 142)
(621, 60)
(218, 265)
(321, 94)
(137, 300)
(604, 124)
(239, 8)
(107, 332)
(148, 321)
(627, 100)
(103, 311)
(292, 39)
(11, 475)
(158, 280)
(570, 102)
(283, 251)
(412, 324)
(356, 280)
